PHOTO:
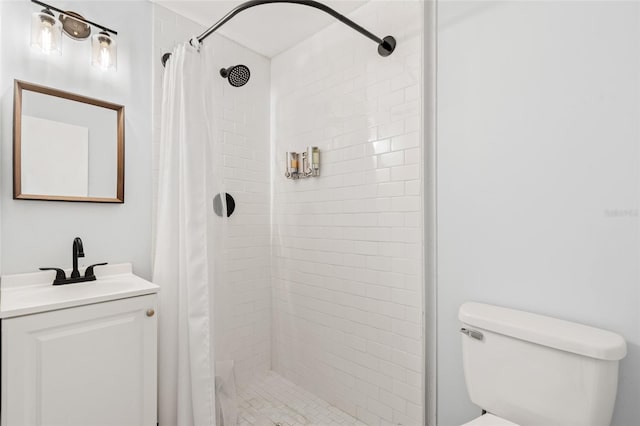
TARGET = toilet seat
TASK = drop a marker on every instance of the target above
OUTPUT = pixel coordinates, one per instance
(489, 420)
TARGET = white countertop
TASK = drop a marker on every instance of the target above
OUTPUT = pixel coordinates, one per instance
(24, 294)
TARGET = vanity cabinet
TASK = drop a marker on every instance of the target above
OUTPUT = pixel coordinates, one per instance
(87, 365)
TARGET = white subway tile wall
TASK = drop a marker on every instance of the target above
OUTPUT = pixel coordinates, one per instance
(347, 247)
(242, 307)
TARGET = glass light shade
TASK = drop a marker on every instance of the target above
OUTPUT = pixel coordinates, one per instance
(104, 51)
(46, 32)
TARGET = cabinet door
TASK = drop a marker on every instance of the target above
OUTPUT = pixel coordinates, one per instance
(92, 365)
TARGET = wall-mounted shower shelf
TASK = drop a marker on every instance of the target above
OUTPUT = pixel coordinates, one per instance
(302, 165)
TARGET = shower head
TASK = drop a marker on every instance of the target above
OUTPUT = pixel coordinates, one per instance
(238, 75)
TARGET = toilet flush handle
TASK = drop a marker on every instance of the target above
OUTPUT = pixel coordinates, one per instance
(472, 333)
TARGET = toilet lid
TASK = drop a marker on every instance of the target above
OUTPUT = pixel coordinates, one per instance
(489, 420)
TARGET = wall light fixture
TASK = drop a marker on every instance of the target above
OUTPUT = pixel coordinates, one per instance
(46, 34)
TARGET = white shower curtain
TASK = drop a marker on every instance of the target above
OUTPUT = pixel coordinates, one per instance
(186, 359)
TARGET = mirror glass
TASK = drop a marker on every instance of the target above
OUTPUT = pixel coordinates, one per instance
(67, 147)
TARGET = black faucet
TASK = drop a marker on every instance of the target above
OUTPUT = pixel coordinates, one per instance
(77, 251)
(75, 277)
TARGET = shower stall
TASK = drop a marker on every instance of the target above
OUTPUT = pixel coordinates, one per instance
(315, 286)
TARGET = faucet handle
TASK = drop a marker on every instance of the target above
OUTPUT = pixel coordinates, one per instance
(60, 275)
(89, 271)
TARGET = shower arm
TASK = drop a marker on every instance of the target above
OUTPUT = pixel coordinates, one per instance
(386, 45)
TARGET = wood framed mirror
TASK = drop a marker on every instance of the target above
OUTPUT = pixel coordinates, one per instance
(66, 147)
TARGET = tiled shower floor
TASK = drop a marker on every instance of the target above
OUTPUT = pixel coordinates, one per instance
(273, 400)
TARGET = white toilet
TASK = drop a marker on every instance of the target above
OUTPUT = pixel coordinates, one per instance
(526, 369)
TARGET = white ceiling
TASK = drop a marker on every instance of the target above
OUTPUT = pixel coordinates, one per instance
(267, 29)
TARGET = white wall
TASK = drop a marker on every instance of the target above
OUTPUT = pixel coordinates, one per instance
(40, 233)
(538, 173)
(347, 246)
(241, 255)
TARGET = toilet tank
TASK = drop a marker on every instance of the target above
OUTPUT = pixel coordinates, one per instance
(536, 370)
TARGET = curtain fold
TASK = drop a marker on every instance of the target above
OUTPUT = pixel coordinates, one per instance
(186, 375)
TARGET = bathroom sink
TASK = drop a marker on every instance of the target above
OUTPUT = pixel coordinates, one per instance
(31, 293)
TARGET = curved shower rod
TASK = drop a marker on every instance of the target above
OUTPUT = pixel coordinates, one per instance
(386, 45)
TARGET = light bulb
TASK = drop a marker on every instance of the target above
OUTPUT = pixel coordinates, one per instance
(105, 57)
(46, 38)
